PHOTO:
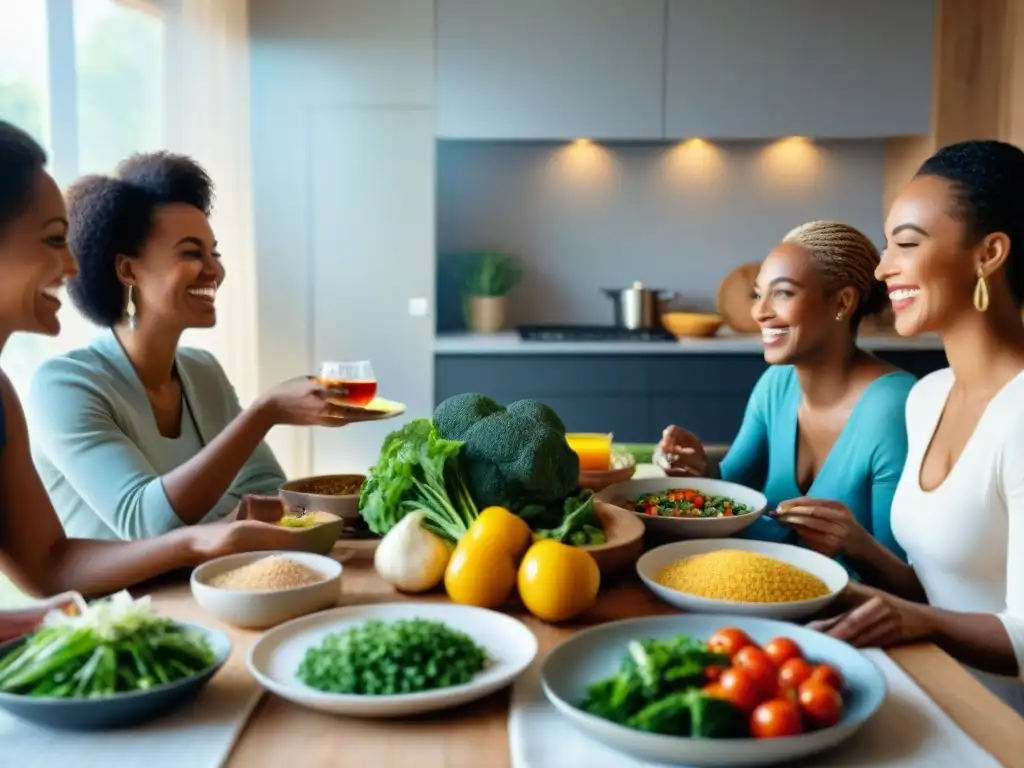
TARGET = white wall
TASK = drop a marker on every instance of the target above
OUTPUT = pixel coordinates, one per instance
(344, 192)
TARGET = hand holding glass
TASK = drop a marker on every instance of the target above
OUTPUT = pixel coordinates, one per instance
(352, 384)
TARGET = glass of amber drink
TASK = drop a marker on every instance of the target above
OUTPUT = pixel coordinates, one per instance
(352, 383)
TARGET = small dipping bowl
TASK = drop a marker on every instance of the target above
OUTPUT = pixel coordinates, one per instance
(259, 609)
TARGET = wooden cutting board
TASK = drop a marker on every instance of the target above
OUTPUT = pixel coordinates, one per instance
(734, 299)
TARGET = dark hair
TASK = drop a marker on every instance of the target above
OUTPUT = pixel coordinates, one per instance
(111, 215)
(21, 160)
(988, 188)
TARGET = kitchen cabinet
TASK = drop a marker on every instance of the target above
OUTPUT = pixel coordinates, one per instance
(750, 69)
(550, 69)
(633, 396)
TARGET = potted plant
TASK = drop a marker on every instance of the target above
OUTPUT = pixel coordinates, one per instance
(485, 279)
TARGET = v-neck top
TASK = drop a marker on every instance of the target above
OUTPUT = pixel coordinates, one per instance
(965, 538)
(861, 470)
(99, 450)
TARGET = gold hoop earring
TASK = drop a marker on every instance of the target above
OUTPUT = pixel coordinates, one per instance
(981, 292)
(131, 310)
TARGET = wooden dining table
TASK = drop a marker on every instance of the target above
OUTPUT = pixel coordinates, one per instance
(281, 734)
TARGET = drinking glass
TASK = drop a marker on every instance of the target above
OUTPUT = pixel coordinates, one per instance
(352, 383)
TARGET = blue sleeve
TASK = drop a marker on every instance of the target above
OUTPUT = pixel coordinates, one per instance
(746, 462)
(889, 455)
(73, 424)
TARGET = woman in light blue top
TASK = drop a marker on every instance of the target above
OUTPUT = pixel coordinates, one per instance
(34, 549)
(132, 435)
(824, 429)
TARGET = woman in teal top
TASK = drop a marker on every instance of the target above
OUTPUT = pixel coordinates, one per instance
(825, 426)
(134, 436)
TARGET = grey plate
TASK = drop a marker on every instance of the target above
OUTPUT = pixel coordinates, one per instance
(122, 710)
(596, 653)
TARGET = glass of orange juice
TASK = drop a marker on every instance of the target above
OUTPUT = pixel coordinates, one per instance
(352, 383)
(593, 448)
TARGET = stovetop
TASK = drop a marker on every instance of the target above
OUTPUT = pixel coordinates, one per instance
(591, 333)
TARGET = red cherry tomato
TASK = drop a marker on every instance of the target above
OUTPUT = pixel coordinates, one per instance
(822, 704)
(776, 719)
(828, 675)
(756, 662)
(729, 641)
(740, 689)
(782, 649)
(712, 673)
(715, 691)
(794, 672)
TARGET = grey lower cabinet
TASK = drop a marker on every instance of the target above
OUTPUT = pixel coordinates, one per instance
(633, 396)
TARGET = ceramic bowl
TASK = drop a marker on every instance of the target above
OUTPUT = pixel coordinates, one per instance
(259, 609)
(625, 540)
(313, 494)
(685, 325)
(689, 527)
(122, 710)
(596, 653)
(829, 571)
(623, 467)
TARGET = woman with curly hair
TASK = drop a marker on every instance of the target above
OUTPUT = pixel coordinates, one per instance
(34, 550)
(134, 435)
(823, 431)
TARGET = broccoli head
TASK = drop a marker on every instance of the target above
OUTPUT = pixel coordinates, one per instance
(515, 457)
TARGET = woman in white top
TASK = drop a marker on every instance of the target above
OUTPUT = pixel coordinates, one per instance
(954, 265)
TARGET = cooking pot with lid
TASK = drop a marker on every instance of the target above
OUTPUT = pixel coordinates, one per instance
(637, 307)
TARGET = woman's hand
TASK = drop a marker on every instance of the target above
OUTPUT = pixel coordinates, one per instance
(23, 621)
(229, 538)
(681, 453)
(303, 402)
(881, 621)
(826, 526)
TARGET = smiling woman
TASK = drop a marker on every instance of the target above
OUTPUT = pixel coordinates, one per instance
(134, 435)
(822, 436)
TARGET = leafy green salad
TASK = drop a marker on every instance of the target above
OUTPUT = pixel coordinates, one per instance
(388, 658)
(659, 689)
(117, 645)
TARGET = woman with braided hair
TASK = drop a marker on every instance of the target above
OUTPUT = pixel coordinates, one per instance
(823, 432)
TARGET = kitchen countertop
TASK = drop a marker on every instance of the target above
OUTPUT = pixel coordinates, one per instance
(726, 342)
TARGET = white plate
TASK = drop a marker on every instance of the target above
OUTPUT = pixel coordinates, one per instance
(689, 527)
(275, 657)
(832, 573)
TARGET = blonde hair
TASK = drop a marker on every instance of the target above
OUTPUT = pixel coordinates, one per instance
(846, 257)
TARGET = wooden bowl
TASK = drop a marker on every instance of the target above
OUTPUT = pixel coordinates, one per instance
(624, 532)
(733, 300)
(623, 468)
(313, 494)
(684, 325)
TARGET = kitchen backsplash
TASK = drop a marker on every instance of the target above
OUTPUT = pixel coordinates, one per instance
(583, 216)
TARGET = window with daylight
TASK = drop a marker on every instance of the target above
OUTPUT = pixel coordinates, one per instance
(85, 78)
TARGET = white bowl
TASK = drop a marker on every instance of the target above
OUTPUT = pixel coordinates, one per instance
(689, 527)
(258, 609)
(829, 571)
(276, 656)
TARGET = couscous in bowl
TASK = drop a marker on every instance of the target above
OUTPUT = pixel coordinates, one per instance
(806, 597)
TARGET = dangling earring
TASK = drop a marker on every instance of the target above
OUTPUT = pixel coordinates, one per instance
(839, 317)
(130, 310)
(981, 292)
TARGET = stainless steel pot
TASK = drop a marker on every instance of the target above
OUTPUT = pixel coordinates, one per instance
(638, 308)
